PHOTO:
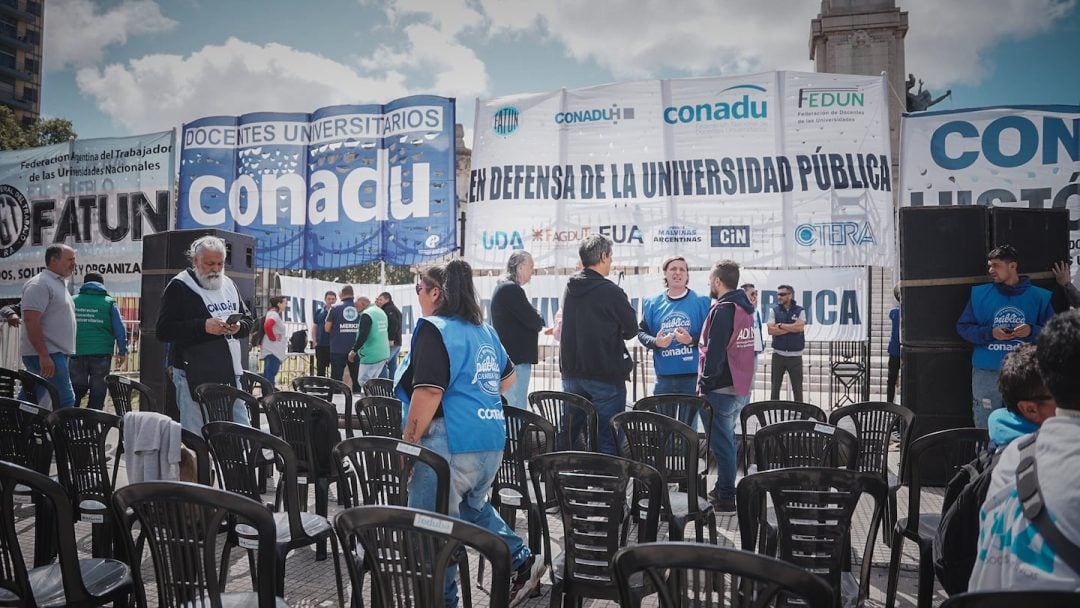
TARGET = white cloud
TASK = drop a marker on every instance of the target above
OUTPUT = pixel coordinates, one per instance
(76, 34)
(947, 41)
(158, 92)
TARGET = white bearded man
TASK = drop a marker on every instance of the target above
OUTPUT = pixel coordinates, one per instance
(203, 319)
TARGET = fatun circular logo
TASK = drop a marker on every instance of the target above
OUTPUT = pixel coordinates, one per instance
(506, 121)
(14, 220)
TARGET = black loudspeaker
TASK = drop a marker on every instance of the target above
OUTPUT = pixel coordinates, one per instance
(942, 254)
(164, 256)
(936, 385)
(1041, 239)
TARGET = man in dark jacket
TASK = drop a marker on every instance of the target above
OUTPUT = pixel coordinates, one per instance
(204, 346)
(393, 331)
(597, 322)
(726, 371)
(517, 323)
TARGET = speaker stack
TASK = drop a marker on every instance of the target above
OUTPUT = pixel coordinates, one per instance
(942, 256)
(164, 256)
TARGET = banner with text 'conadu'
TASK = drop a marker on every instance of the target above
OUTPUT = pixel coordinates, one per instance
(1023, 156)
(341, 186)
(779, 169)
(100, 196)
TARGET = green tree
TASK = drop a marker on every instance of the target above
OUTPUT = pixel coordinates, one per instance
(15, 136)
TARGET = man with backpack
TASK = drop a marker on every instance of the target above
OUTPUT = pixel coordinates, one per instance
(1027, 405)
(1029, 533)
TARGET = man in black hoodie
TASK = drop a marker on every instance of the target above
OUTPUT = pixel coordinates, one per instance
(597, 322)
(725, 371)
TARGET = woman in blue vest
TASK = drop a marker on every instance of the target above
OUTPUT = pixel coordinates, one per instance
(450, 385)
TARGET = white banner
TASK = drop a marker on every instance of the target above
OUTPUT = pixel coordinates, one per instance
(1007, 157)
(100, 196)
(779, 169)
(836, 299)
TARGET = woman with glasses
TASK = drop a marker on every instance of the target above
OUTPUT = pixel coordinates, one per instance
(450, 385)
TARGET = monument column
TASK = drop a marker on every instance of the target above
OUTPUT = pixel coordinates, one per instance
(864, 37)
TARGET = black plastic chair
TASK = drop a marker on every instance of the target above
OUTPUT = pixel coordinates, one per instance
(407, 553)
(574, 417)
(379, 416)
(685, 408)
(376, 471)
(1013, 599)
(239, 453)
(10, 382)
(33, 383)
(67, 582)
(180, 523)
(591, 491)
(326, 389)
(79, 437)
(670, 447)
(951, 448)
(814, 509)
(771, 412)
(25, 441)
(692, 575)
(216, 401)
(379, 387)
(804, 443)
(256, 385)
(874, 423)
(309, 425)
(123, 390)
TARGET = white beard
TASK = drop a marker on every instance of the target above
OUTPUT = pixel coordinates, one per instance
(211, 281)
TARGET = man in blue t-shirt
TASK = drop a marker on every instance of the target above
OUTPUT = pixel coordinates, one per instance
(999, 317)
(321, 336)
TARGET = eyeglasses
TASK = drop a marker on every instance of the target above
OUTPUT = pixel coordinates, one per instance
(784, 293)
(419, 288)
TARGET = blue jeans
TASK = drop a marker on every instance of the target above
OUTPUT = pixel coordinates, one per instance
(985, 397)
(88, 374)
(518, 394)
(191, 417)
(271, 365)
(683, 384)
(722, 441)
(609, 399)
(471, 476)
(61, 379)
(391, 363)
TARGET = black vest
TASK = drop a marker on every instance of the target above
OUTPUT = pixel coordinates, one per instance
(788, 342)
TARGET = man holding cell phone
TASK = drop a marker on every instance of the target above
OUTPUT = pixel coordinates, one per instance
(999, 317)
(203, 319)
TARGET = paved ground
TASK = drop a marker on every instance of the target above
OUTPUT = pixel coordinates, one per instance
(312, 583)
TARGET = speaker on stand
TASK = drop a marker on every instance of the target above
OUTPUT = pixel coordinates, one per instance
(165, 256)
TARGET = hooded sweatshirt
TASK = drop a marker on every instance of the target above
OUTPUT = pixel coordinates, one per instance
(98, 322)
(1000, 305)
(1006, 425)
(596, 323)
(727, 346)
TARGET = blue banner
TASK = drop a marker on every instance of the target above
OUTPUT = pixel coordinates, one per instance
(341, 186)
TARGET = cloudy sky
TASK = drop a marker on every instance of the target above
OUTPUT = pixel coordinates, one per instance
(133, 66)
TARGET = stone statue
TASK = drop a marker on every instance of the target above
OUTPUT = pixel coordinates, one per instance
(921, 100)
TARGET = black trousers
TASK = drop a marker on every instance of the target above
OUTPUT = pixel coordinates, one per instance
(322, 360)
(894, 374)
(793, 367)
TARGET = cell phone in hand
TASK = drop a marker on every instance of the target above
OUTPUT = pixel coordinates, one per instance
(234, 318)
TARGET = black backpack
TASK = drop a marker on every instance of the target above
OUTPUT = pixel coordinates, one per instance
(258, 331)
(298, 341)
(956, 543)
